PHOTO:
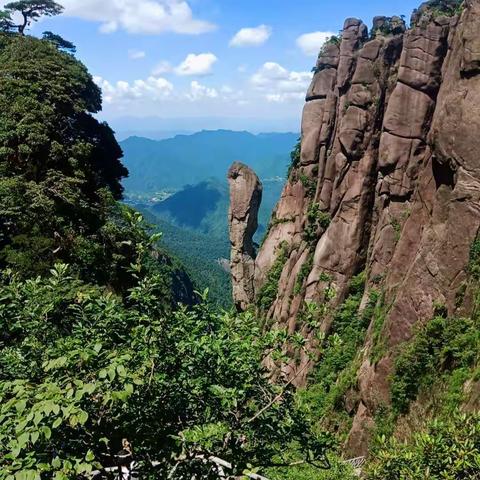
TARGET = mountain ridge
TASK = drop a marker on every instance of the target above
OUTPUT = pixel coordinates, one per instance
(190, 159)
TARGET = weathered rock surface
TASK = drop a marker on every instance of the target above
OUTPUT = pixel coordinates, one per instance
(388, 183)
(245, 199)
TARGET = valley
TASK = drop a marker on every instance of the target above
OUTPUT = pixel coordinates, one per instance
(216, 304)
(193, 217)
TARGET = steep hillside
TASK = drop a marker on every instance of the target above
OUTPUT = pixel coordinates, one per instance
(203, 208)
(204, 256)
(190, 159)
(376, 233)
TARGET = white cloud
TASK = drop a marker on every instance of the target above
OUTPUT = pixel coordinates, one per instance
(136, 54)
(198, 65)
(138, 16)
(108, 27)
(199, 92)
(151, 88)
(161, 68)
(280, 85)
(251, 37)
(311, 43)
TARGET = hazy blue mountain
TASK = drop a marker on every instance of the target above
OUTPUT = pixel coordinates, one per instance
(180, 185)
(190, 159)
(146, 125)
(204, 207)
(122, 135)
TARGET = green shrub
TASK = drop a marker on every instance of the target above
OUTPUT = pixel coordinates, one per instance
(397, 229)
(269, 291)
(448, 449)
(436, 8)
(336, 370)
(315, 219)
(295, 157)
(309, 184)
(442, 345)
(379, 316)
(338, 470)
(474, 261)
(305, 270)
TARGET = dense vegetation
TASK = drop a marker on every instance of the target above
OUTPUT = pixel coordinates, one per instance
(94, 352)
(205, 257)
(83, 369)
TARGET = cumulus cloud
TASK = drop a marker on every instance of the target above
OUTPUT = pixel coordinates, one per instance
(199, 92)
(138, 16)
(279, 84)
(141, 95)
(311, 43)
(136, 54)
(197, 65)
(151, 88)
(251, 37)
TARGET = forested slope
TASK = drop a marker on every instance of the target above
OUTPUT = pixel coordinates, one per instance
(96, 354)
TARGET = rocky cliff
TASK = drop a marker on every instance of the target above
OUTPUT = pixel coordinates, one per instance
(387, 182)
(245, 198)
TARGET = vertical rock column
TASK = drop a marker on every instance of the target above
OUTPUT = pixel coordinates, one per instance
(245, 198)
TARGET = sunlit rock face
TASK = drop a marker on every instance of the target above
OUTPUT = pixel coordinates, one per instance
(245, 199)
(388, 182)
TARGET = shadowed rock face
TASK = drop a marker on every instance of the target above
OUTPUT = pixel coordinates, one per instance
(388, 183)
(245, 199)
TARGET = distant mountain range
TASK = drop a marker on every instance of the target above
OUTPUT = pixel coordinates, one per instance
(180, 185)
(172, 163)
(152, 125)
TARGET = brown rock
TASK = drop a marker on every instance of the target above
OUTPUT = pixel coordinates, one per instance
(390, 161)
(245, 199)
(408, 112)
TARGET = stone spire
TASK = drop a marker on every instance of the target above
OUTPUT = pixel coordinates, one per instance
(245, 198)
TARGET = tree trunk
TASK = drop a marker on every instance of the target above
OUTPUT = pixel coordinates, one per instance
(21, 28)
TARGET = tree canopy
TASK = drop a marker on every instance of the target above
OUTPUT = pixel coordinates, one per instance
(59, 42)
(60, 168)
(31, 11)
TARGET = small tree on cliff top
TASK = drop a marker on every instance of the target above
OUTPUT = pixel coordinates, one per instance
(6, 24)
(31, 11)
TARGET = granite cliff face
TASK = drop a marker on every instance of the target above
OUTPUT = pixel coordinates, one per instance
(245, 198)
(387, 183)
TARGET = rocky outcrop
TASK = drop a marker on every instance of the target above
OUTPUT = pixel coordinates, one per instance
(387, 183)
(245, 199)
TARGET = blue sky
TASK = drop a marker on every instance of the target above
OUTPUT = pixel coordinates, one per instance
(244, 63)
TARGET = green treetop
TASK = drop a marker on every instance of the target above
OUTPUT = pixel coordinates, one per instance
(59, 42)
(31, 11)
